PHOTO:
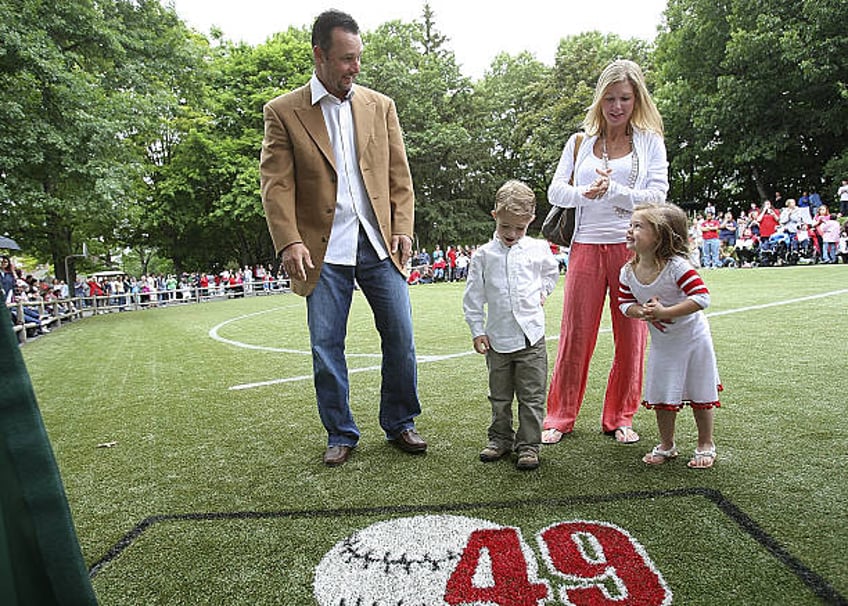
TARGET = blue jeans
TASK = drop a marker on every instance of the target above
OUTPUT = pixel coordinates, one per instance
(829, 252)
(711, 247)
(328, 307)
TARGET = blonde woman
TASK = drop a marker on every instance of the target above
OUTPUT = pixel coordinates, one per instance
(620, 163)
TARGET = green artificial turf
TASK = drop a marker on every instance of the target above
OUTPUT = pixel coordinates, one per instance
(211, 411)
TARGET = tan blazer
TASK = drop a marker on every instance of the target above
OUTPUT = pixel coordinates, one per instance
(298, 173)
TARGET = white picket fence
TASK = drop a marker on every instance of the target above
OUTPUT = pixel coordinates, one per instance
(58, 312)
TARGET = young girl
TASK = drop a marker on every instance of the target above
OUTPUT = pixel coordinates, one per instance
(661, 287)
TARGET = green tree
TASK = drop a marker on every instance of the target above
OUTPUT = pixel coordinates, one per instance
(247, 78)
(504, 126)
(81, 85)
(412, 64)
(57, 125)
(161, 76)
(206, 203)
(754, 93)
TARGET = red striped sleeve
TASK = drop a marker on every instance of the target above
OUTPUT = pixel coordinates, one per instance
(625, 295)
(692, 284)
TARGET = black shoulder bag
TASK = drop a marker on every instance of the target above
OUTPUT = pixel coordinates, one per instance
(558, 226)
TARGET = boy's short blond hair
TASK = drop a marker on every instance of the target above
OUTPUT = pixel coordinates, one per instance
(516, 197)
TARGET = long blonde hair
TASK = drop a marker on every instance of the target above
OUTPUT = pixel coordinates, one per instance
(645, 116)
(671, 227)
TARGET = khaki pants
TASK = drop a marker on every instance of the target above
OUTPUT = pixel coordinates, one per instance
(521, 374)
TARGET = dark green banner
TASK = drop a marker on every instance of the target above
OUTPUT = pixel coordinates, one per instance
(40, 558)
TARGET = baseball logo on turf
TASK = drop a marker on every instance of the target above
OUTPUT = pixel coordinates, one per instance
(448, 560)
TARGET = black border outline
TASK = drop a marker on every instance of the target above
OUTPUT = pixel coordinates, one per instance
(819, 586)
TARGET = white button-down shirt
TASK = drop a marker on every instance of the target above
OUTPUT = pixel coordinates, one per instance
(512, 283)
(353, 208)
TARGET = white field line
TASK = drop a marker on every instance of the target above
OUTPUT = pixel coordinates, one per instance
(424, 359)
(213, 333)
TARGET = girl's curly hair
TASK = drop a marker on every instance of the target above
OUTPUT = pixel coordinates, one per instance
(671, 226)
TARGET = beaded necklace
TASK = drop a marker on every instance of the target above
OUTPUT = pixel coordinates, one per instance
(634, 171)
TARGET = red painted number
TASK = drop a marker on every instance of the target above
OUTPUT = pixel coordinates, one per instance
(603, 566)
(509, 584)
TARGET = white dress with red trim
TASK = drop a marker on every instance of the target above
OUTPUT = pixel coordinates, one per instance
(681, 367)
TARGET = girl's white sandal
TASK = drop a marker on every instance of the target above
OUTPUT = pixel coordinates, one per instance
(702, 459)
(658, 456)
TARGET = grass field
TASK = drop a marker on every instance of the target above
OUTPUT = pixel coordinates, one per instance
(214, 491)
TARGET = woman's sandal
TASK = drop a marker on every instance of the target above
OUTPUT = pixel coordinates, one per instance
(552, 436)
(703, 459)
(658, 456)
(628, 436)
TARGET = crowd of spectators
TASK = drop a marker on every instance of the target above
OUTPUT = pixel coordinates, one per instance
(33, 304)
(776, 232)
(120, 289)
(36, 303)
(449, 265)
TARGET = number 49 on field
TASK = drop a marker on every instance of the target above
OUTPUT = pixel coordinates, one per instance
(599, 563)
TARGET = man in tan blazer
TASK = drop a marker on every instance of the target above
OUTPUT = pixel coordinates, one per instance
(338, 197)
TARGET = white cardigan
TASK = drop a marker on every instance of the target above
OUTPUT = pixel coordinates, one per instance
(651, 180)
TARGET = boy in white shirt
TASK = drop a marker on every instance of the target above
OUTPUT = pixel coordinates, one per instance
(511, 276)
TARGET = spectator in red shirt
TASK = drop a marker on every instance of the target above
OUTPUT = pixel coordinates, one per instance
(451, 263)
(439, 266)
(709, 232)
(95, 291)
(768, 220)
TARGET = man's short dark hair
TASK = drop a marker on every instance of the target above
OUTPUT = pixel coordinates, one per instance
(322, 29)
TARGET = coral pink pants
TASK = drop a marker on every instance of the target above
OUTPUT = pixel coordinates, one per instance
(593, 271)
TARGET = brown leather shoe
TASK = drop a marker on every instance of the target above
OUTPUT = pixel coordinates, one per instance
(410, 441)
(336, 455)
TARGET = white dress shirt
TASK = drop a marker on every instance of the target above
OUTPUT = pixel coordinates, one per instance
(353, 208)
(511, 282)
